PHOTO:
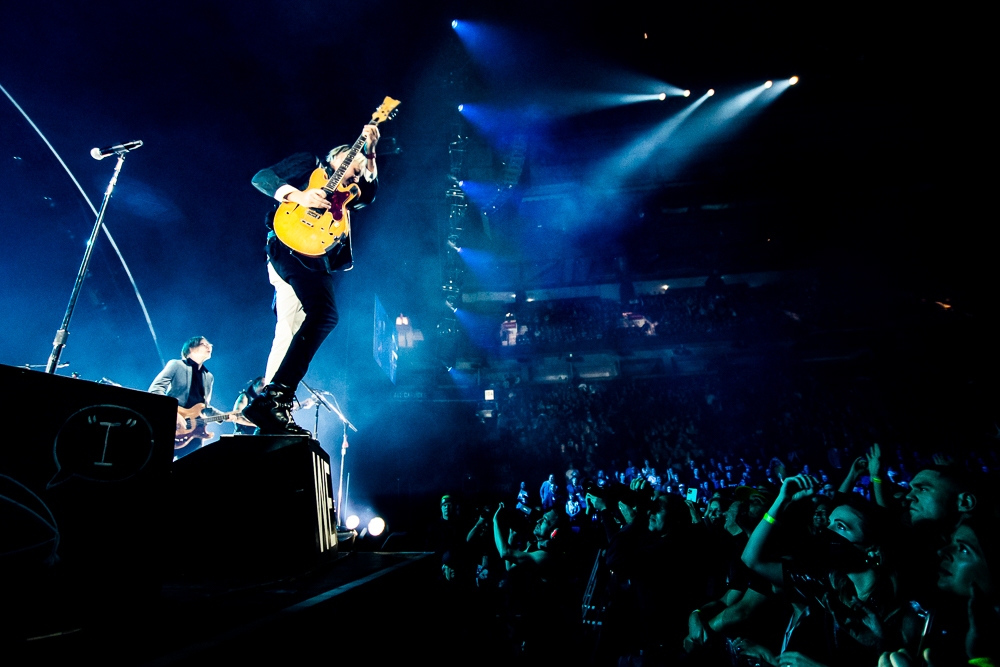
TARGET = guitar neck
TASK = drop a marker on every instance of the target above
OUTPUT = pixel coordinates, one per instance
(216, 418)
(338, 175)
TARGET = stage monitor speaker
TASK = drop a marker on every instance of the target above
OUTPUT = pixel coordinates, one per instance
(84, 474)
(253, 504)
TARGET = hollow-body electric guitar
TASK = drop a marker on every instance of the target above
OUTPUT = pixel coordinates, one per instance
(194, 424)
(315, 231)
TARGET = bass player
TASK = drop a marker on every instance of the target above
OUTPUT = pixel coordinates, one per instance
(190, 382)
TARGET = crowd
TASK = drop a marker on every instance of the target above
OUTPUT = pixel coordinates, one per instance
(885, 561)
(708, 425)
(744, 519)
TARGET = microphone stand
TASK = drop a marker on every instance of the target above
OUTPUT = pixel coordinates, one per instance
(318, 398)
(63, 333)
(343, 452)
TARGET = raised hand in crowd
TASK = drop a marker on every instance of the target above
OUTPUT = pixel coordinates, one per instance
(639, 484)
(874, 456)
(693, 508)
(857, 469)
(942, 459)
(597, 503)
(794, 488)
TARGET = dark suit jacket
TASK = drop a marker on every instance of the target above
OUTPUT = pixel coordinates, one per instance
(295, 170)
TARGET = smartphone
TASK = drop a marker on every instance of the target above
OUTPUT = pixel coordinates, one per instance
(692, 494)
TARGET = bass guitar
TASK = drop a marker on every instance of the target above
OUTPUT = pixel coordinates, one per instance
(315, 231)
(194, 424)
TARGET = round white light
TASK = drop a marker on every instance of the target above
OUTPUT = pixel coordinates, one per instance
(376, 526)
(711, 91)
(454, 24)
(768, 84)
(794, 80)
(663, 96)
(461, 106)
(352, 522)
(687, 93)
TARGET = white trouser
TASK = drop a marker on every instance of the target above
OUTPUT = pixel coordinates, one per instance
(288, 308)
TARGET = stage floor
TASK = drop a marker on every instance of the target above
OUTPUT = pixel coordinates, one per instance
(198, 622)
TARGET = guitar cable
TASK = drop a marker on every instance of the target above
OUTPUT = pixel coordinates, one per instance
(104, 227)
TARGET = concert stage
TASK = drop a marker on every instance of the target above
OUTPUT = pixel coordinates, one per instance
(110, 549)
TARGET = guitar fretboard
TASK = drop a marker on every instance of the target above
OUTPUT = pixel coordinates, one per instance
(338, 176)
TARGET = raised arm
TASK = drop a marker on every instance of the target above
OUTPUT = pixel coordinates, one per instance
(874, 457)
(508, 553)
(859, 466)
(756, 555)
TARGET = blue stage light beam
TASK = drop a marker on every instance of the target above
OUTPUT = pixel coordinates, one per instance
(525, 68)
(637, 154)
(736, 105)
(483, 331)
(488, 44)
(480, 193)
(777, 88)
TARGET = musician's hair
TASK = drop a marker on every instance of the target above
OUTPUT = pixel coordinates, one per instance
(359, 158)
(194, 341)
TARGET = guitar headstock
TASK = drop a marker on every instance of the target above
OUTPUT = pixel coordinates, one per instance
(386, 110)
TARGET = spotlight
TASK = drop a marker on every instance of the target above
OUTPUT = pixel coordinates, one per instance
(454, 24)
(711, 91)
(663, 96)
(794, 80)
(768, 84)
(376, 526)
(687, 93)
(352, 522)
(461, 106)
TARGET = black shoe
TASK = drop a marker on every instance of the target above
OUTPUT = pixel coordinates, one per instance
(271, 411)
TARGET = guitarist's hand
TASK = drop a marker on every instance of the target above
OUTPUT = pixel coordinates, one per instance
(181, 423)
(314, 198)
(371, 137)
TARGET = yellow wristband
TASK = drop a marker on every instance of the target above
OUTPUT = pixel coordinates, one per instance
(770, 519)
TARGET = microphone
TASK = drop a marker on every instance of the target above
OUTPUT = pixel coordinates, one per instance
(101, 153)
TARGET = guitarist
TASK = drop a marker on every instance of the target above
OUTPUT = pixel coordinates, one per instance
(189, 381)
(304, 300)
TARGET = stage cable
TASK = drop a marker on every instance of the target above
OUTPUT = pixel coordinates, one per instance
(111, 240)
